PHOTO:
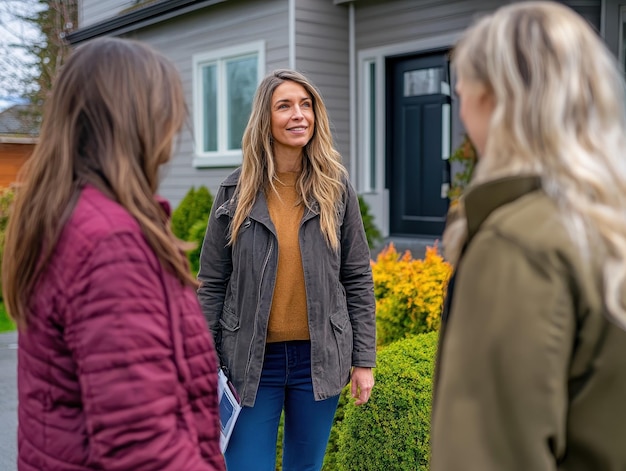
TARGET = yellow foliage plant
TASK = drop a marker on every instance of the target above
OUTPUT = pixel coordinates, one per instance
(409, 293)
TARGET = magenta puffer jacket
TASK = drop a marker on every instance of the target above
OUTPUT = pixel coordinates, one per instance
(117, 369)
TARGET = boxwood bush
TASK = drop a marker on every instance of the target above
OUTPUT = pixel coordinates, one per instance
(189, 221)
(330, 459)
(392, 431)
(194, 207)
(372, 233)
(6, 200)
(196, 235)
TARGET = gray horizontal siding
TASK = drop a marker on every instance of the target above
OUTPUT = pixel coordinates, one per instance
(95, 11)
(397, 21)
(219, 26)
(322, 54)
(381, 23)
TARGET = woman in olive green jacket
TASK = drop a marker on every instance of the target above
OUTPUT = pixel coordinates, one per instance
(532, 363)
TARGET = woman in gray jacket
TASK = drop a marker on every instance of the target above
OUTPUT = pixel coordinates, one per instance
(286, 284)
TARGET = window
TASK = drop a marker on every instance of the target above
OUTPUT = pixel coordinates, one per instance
(224, 85)
(423, 82)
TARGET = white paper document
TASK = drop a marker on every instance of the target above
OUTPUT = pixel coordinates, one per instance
(229, 408)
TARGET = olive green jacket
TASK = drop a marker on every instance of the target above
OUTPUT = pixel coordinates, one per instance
(531, 375)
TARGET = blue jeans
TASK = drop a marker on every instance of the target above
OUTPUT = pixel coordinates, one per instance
(285, 384)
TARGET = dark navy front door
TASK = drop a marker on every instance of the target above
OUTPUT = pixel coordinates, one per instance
(418, 92)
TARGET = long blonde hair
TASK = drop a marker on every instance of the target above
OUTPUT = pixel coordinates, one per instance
(559, 114)
(322, 177)
(110, 121)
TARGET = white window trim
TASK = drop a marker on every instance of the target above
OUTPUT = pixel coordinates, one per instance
(368, 153)
(222, 157)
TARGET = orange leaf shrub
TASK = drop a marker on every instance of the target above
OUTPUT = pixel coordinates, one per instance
(409, 293)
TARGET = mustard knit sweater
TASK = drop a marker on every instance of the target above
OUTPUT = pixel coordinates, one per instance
(288, 315)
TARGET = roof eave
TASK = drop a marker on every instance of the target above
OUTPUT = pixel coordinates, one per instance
(140, 18)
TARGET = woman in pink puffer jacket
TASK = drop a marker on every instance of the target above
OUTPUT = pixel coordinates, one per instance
(116, 369)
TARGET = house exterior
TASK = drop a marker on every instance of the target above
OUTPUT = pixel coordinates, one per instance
(381, 65)
(19, 129)
(14, 151)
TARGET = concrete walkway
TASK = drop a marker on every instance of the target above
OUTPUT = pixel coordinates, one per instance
(8, 401)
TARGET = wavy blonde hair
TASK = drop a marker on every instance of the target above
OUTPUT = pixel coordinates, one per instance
(559, 113)
(110, 121)
(323, 175)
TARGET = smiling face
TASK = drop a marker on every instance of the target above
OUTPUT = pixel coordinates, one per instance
(293, 118)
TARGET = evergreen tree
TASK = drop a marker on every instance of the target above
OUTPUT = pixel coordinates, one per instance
(44, 55)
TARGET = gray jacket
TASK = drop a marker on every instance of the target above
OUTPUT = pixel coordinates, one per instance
(237, 285)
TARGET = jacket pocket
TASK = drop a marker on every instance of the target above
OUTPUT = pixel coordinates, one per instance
(340, 321)
(229, 330)
(342, 331)
(229, 320)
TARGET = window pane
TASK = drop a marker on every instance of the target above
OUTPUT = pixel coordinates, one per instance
(423, 82)
(241, 84)
(209, 114)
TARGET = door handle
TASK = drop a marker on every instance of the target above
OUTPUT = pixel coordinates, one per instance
(445, 178)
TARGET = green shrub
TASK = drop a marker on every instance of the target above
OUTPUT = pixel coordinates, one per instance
(195, 206)
(180, 216)
(189, 221)
(464, 160)
(371, 231)
(196, 234)
(330, 459)
(279, 442)
(6, 324)
(6, 199)
(392, 431)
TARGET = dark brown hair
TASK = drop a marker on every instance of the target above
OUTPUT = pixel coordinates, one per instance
(110, 121)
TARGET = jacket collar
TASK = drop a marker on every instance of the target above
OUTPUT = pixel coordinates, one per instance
(260, 213)
(165, 205)
(485, 198)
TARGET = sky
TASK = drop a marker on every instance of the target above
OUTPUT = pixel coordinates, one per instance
(13, 60)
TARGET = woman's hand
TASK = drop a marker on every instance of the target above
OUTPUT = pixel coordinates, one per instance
(362, 384)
